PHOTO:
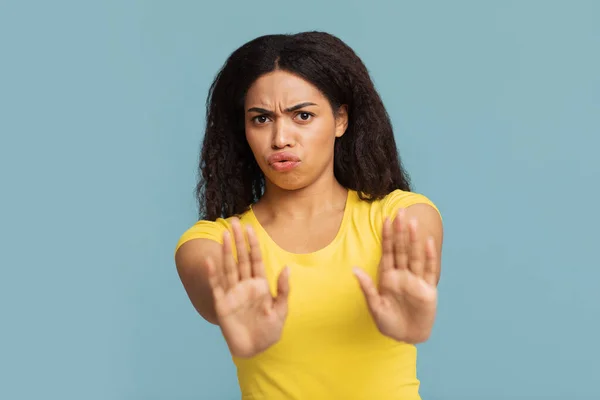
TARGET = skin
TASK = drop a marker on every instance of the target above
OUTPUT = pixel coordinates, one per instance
(275, 122)
(287, 113)
(307, 200)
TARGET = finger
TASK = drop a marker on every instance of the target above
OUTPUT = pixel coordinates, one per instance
(432, 262)
(283, 291)
(416, 260)
(230, 271)
(387, 247)
(257, 267)
(400, 240)
(243, 259)
(214, 280)
(368, 288)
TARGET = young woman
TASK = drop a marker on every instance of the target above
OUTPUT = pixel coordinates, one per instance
(312, 255)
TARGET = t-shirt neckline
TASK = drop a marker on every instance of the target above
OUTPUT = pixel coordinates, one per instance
(264, 236)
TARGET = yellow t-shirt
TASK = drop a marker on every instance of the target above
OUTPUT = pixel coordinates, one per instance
(330, 347)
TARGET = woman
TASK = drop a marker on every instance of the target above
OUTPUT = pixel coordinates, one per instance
(312, 255)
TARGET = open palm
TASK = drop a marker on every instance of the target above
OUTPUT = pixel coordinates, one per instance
(404, 304)
(251, 319)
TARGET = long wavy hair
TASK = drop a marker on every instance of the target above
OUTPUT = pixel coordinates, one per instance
(366, 158)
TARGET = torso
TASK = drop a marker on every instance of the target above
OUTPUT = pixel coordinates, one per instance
(330, 344)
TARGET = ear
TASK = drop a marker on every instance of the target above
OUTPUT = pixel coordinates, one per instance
(341, 120)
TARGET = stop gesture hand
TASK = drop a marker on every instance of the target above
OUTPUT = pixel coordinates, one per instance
(251, 319)
(404, 304)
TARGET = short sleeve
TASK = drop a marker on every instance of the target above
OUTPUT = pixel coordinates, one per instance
(402, 199)
(212, 230)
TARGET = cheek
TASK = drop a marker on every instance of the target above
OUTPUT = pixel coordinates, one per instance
(322, 138)
(250, 136)
(255, 142)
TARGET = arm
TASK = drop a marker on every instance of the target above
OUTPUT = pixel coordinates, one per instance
(190, 260)
(234, 293)
(429, 222)
(404, 302)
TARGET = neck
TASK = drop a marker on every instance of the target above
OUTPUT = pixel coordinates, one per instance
(323, 196)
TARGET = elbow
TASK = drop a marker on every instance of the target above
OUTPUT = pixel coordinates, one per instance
(418, 337)
(422, 338)
(209, 317)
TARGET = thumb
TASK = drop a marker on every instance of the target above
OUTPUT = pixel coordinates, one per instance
(283, 290)
(368, 288)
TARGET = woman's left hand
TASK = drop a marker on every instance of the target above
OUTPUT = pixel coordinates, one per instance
(404, 304)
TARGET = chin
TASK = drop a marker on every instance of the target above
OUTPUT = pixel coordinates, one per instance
(289, 182)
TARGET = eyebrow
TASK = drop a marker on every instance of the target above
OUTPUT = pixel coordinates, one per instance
(289, 109)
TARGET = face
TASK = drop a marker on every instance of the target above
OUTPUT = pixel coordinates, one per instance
(291, 129)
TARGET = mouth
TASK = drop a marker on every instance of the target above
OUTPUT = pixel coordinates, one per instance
(283, 161)
(282, 166)
(282, 157)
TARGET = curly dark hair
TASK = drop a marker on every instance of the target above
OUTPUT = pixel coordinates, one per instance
(366, 158)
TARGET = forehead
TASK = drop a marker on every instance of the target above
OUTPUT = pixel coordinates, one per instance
(282, 87)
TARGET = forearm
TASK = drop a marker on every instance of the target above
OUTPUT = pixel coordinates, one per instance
(193, 273)
(196, 286)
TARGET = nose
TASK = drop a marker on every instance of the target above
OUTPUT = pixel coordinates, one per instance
(282, 136)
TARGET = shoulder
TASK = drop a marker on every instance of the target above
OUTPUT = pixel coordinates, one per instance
(417, 205)
(389, 205)
(211, 230)
(398, 199)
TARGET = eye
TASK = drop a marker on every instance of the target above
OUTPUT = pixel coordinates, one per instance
(260, 119)
(305, 116)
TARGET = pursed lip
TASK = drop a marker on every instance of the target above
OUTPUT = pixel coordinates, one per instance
(279, 157)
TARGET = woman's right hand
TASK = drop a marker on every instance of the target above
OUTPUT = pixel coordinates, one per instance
(250, 318)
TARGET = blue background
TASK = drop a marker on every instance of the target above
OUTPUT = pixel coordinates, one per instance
(496, 107)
